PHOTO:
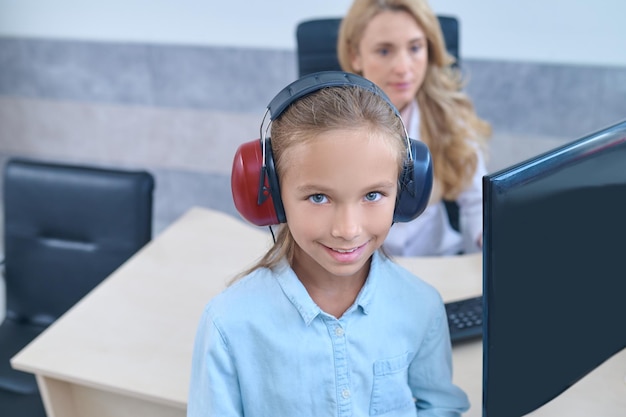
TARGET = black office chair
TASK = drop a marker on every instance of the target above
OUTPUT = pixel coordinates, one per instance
(66, 228)
(316, 42)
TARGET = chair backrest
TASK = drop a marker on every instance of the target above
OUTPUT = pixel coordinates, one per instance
(316, 42)
(66, 228)
(451, 36)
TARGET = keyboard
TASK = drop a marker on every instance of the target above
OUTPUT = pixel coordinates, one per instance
(465, 318)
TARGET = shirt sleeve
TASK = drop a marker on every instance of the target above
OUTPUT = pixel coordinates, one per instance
(430, 373)
(214, 386)
(470, 203)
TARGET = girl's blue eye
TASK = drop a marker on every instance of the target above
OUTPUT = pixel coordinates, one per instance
(318, 198)
(383, 51)
(373, 196)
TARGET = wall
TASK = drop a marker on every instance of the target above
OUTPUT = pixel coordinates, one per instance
(548, 31)
(175, 87)
(541, 31)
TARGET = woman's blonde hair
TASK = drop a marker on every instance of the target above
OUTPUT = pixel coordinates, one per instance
(329, 109)
(448, 121)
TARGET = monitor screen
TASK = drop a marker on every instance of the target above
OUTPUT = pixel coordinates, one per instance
(554, 271)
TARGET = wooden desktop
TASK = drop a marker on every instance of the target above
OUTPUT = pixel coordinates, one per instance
(125, 349)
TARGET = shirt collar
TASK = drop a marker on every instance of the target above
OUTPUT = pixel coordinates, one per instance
(366, 295)
(304, 304)
(295, 292)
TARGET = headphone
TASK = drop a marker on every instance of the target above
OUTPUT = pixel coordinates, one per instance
(254, 181)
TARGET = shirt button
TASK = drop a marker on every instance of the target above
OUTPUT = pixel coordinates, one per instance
(338, 331)
(345, 393)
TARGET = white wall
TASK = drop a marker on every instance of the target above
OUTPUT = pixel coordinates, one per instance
(562, 31)
(559, 31)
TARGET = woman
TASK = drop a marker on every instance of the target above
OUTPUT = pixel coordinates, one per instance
(398, 45)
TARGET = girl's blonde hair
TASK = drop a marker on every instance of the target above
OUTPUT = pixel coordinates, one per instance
(329, 109)
(448, 123)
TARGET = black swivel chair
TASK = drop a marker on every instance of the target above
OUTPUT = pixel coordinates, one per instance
(66, 228)
(316, 42)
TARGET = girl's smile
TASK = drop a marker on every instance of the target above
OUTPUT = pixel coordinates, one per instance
(347, 255)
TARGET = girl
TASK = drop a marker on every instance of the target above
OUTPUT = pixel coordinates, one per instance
(325, 324)
(399, 46)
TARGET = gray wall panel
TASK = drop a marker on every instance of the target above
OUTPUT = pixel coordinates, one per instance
(547, 100)
(151, 75)
(180, 111)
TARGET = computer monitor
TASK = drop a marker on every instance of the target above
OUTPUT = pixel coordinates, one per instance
(554, 271)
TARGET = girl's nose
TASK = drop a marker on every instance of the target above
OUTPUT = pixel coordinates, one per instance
(346, 223)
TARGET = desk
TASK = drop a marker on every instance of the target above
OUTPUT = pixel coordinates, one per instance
(125, 349)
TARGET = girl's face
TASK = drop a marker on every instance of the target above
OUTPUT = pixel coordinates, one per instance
(393, 53)
(339, 192)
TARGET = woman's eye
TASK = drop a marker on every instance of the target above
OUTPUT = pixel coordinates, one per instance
(373, 196)
(318, 198)
(383, 51)
(416, 48)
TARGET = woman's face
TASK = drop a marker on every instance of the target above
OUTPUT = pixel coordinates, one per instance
(393, 54)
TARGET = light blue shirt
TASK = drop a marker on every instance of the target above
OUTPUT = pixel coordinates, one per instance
(265, 349)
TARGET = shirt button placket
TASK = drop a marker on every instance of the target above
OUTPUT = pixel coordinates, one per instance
(341, 370)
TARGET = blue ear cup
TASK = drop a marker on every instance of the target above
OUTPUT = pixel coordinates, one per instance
(415, 184)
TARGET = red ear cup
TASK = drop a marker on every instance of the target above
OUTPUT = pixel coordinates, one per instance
(245, 183)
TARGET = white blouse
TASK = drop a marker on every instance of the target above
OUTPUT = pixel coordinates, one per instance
(431, 233)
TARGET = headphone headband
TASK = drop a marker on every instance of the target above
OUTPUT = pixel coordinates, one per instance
(317, 81)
